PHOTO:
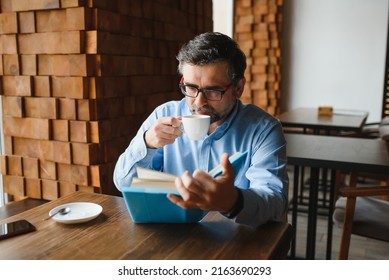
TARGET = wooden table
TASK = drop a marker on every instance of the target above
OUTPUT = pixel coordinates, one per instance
(113, 235)
(307, 118)
(334, 153)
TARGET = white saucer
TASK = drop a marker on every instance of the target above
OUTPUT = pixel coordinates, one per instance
(80, 212)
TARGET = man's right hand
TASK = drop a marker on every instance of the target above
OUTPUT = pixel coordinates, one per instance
(164, 131)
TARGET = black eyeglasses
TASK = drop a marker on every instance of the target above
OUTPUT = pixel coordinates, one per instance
(208, 93)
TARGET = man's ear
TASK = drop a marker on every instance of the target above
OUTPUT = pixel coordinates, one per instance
(240, 87)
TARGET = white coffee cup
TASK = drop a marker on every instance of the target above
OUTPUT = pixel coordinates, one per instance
(196, 126)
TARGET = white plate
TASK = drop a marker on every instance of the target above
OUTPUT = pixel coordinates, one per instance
(80, 212)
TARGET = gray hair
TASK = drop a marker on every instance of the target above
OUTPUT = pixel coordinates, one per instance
(214, 47)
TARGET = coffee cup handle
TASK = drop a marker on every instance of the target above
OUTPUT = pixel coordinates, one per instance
(181, 128)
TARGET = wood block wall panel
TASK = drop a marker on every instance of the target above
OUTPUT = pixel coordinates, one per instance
(86, 153)
(11, 64)
(17, 85)
(8, 44)
(47, 169)
(258, 32)
(69, 87)
(33, 188)
(28, 64)
(42, 86)
(13, 106)
(15, 165)
(67, 42)
(3, 164)
(60, 130)
(67, 109)
(61, 151)
(27, 127)
(86, 109)
(67, 65)
(80, 175)
(73, 3)
(79, 18)
(108, 43)
(80, 131)
(66, 188)
(26, 22)
(64, 172)
(8, 145)
(14, 185)
(41, 107)
(24, 146)
(108, 87)
(26, 5)
(100, 174)
(87, 189)
(50, 189)
(78, 77)
(31, 167)
(8, 23)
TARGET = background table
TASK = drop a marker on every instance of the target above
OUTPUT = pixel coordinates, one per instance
(335, 153)
(113, 235)
(307, 118)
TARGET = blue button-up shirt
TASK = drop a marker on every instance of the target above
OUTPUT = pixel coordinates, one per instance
(263, 179)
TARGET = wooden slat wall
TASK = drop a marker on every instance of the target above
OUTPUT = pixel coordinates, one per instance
(77, 79)
(257, 29)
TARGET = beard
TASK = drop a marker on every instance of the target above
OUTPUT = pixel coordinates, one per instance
(215, 116)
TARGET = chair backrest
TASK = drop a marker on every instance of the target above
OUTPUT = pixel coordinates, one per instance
(370, 217)
(384, 132)
(385, 121)
(361, 213)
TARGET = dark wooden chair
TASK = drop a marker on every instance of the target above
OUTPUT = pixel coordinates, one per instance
(363, 208)
(360, 212)
(369, 130)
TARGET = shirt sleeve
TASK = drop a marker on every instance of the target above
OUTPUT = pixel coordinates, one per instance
(136, 154)
(266, 198)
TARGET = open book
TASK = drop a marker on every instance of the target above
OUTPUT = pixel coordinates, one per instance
(148, 178)
(146, 198)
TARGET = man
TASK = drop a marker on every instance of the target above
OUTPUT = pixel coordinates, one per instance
(212, 68)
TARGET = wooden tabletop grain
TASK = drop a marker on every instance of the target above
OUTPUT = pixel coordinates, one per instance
(113, 235)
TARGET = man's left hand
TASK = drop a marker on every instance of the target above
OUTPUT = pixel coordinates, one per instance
(205, 192)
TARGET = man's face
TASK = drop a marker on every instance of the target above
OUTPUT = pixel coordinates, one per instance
(212, 76)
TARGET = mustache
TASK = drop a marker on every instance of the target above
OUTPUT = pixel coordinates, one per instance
(205, 109)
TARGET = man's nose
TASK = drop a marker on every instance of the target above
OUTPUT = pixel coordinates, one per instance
(200, 100)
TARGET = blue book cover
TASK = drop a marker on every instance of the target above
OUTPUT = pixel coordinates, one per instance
(146, 197)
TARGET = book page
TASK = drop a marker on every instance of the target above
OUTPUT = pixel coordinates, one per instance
(150, 183)
(157, 179)
(144, 173)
